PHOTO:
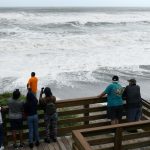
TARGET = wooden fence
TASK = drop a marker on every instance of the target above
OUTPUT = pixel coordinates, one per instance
(73, 114)
(115, 137)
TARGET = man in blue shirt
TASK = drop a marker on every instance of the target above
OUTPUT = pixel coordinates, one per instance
(114, 100)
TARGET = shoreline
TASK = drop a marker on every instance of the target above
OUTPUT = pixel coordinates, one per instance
(81, 90)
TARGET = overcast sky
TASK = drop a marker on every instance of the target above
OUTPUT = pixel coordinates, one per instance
(49, 3)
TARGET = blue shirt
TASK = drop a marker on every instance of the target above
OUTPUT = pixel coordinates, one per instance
(114, 95)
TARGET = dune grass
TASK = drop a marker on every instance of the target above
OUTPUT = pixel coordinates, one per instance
(4, 97)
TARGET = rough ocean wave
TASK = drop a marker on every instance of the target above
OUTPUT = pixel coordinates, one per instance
(74, 49)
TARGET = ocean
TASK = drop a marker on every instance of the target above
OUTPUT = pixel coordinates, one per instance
(75, 51)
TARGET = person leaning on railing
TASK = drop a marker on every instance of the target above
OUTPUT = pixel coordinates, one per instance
(48, 103)
(132, 95)
(114, 100)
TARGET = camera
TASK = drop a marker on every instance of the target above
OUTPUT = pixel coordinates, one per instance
(42, 90)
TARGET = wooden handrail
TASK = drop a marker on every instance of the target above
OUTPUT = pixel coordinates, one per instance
(119, 141)
(81, 142)
(73, 114)
(129, 124)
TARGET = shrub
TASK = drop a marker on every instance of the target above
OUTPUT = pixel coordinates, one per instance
(5, 96)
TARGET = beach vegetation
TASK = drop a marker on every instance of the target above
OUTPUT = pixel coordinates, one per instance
(4, 97)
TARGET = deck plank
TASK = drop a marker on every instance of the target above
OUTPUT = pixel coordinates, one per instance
(40, 147)
(46, 146)
(56, 146)
(70, 141)
(34, 148)
(61, 144)
(66, 143)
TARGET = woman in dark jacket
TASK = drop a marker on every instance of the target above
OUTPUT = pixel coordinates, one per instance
(30, 108)
(50, 114)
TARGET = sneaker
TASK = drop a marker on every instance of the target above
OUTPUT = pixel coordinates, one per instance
(37, 143)
(47, 140)
(2, 148)
(31, 145)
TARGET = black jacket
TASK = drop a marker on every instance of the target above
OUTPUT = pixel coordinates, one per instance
(30, 107)
(132, 96)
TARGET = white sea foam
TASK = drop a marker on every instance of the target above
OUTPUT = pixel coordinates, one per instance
(64, 47)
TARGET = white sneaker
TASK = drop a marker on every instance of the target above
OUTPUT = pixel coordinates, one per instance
(2, 148)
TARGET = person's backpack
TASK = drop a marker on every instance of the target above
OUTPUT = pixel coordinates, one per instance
(50, 108)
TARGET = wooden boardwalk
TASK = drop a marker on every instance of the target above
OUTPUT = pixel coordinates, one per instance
(88, 117)
(63, 143)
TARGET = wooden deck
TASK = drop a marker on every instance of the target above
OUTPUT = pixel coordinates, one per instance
(63, 143)
(84, 116)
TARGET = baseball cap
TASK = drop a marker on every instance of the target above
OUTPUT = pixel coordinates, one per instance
(132, 81)
(115, 78)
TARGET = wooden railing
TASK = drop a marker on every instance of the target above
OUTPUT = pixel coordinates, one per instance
(113, 137)
(146, 109)
(73, 114)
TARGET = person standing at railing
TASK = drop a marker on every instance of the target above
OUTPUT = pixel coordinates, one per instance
(30, 109)
(15, 105)
(48, 103)
(33, 83)
(132, 95)
(114, 100)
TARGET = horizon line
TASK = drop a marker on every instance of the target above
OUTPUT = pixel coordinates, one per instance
(75, 6)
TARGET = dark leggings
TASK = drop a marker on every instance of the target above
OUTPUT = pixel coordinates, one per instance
(1, 135)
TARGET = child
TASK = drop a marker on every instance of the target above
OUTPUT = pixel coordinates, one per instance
(48, 104)
(1, 131)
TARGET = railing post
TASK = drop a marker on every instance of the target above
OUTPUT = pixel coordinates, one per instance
(118, 139)
(86, 114)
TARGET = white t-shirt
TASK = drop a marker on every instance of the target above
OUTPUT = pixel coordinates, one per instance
(1, 121)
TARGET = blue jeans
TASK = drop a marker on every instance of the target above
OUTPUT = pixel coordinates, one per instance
(33, 128)
(134, 114)
(1, 135)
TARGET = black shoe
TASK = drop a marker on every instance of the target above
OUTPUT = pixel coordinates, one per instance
(31, 145)
(21, 145)
(15, 146)
(37, 143)
(47, 140)
(54, 140)
(132, 131)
